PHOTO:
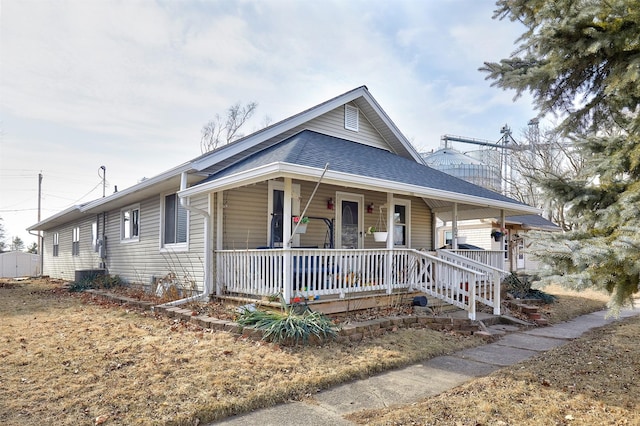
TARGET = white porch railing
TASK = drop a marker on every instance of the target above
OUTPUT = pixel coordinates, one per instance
(493, 258)
(488, 286)
(341, 273)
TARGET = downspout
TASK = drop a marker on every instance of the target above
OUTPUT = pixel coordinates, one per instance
(184, 202)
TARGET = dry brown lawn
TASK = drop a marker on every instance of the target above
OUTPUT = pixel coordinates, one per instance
(594, 380)
(68, 359)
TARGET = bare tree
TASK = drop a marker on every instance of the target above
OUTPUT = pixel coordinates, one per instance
(222, 130)
(543, 157)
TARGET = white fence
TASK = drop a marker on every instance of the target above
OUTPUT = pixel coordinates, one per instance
(338, 273)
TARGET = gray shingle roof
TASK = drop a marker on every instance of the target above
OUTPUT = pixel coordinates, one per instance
(312, 149)
(533, 221)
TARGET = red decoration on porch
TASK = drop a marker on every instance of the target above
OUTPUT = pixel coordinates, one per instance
(370, 208)
(330, 204)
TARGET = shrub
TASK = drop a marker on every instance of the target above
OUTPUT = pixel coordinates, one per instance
(289, 326)
(96, 281)
(520, 287)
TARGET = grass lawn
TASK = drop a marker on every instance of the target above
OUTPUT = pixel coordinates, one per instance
(69, 359)
(594, 380)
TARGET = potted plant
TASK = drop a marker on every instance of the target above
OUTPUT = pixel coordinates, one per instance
(301, 223)
(497, 234)
(379, 234)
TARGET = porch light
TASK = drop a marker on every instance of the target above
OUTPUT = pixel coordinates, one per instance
(370, 208)
(330, 204)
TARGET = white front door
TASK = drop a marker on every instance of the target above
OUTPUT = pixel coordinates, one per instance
(349, 221)
(275, 213)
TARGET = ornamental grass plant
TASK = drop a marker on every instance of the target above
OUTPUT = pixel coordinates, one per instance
(289, 325)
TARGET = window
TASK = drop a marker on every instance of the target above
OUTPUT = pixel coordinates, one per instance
(401, 215)
(505, 244)
(448, 237)
(56, 240)
(351, 118)
(130, 223)
(75, 242)
(175, 221)
(94, 235)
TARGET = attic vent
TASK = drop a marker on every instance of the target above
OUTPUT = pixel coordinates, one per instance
(351, 118)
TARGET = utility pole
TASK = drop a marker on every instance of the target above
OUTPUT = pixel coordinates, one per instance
(104, 179)
(40, 236)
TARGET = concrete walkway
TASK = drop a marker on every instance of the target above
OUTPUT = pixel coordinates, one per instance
(409, 384)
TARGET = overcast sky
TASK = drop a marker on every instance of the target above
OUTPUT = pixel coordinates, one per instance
(129, 84)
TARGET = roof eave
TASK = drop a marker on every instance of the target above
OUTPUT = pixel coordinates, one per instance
(280, 169)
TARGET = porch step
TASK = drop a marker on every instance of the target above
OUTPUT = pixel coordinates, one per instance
(530, 311)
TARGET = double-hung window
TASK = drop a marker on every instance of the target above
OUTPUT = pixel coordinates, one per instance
(56, 244)
(401, 223)
(175, 221)
(130, 223)
(75, 242)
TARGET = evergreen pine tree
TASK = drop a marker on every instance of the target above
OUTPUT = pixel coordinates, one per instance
(580, 59)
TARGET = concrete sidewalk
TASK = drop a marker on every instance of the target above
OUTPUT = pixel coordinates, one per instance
(409, 384)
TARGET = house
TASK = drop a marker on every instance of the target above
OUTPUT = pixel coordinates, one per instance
(511, 240)
(229, 223)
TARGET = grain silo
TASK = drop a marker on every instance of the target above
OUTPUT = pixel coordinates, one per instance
(483, 173)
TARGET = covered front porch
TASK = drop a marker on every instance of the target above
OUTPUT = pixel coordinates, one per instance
(257, 204)
(325, 275)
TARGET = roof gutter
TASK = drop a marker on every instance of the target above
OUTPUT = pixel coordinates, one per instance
(184, 202)
(340, 178)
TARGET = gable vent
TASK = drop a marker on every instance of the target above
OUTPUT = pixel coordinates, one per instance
(351, 118)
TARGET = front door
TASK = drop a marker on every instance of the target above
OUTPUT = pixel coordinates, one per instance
(349, 217)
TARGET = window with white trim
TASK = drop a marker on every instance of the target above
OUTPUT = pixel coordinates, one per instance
(130, 223)
(401, 223)
(351, 118)
(94, 236)
(175, 221)
(56, 244)
(75, 241)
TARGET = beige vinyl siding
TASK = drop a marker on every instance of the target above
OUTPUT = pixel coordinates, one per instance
(65, 264)
(246, 219)
(332, 123)
(480, 237)
(472, 232)
(421, 228)
(143, 261)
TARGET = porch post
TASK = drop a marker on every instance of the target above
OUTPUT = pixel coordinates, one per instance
(454, 227)
(390, 255)
(503, 225)
(286, 241)
(219, 234)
